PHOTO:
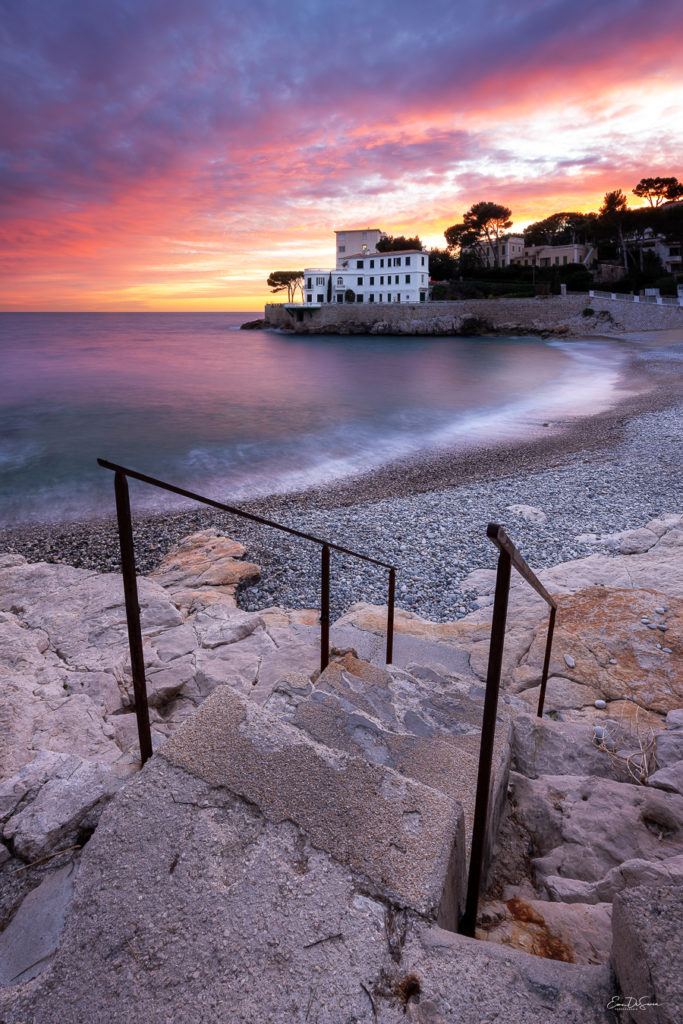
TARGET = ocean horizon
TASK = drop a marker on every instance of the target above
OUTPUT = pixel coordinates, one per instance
(189, 398)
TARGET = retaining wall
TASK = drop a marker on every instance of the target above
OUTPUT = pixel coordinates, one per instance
(543, 313)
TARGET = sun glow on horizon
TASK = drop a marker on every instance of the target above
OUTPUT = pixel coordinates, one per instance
(200, 174)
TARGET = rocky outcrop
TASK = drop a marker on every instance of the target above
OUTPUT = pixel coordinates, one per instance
(306, 833)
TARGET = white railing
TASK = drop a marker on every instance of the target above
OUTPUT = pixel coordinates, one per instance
(654, 300)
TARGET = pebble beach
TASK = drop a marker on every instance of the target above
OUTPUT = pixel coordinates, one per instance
(427, 516)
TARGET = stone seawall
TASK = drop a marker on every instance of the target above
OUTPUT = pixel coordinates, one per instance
(562, 314)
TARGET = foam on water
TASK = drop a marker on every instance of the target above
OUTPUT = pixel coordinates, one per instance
(190, 399)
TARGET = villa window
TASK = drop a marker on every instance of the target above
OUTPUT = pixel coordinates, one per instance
(309, 298)
(397, 261)
(379, 298)
(359, 264)
(319, 299)
(371, 297)
(381, 263)
(320, 280)
(381, 280)
(372, 280)
(309, 282)
(407, 278)
(340, 298)
(564, 260)
(396, 280)
(340, 282)
(359, 281)
(359, 298)
(423, 261)
(342, 248)
(372, 263)
(407, 261)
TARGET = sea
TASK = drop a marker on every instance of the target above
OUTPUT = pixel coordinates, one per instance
(193, 400)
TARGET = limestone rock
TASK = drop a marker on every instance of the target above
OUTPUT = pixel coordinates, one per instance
(629, 875)
(66, 808)
(669, 747)
(218, 625)
(632, 542)
(602, 626)
(674, 719)
(32, 936)
(206, 559)
(47, 717)
(543, 747)
(582, 827)
(647, 927)
(669, 778)
(575, 933)
(528, 512)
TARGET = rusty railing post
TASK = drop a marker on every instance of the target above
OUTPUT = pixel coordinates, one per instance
(546, 662)
(325, 609)
(390, 616)
(488, 733)
(130, 590)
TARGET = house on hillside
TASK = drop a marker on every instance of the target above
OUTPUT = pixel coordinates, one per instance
(499, 254)
(556, 255)
(365, 275)
(512, 250)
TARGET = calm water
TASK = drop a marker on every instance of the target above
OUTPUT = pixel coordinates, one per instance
(191, 399)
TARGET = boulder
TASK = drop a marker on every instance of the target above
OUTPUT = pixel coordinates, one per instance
(528, 512)
(669, 779)
(543, 747)
(669, 747)
(582, 827)
(205, 561)
(64, 810)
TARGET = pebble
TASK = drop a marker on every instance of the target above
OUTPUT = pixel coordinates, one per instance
(627, 485)
(601, 704)
(569, 661)
(660, 611)
(603, 737)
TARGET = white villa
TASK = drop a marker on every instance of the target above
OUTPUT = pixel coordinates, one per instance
(364, 275)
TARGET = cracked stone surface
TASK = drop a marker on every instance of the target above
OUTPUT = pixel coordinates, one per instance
(297, 844)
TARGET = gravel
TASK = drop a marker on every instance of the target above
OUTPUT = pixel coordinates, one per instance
(616, 473)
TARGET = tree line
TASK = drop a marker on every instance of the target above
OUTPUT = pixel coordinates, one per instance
(486, 224)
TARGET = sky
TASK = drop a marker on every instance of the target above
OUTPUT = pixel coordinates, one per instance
(170, 154)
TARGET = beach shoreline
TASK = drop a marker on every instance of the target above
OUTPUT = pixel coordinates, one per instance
(384, 512)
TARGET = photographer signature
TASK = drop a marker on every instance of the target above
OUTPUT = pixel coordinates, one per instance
(629, 1003)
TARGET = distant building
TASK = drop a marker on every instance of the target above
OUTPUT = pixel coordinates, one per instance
(556, 255)
(507, 249)
(370, 275)
(512, 250)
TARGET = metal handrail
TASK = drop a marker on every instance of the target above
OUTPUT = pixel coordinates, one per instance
(508, 557)
(131, 591)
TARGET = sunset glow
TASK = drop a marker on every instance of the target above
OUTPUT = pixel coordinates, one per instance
(168, 156)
